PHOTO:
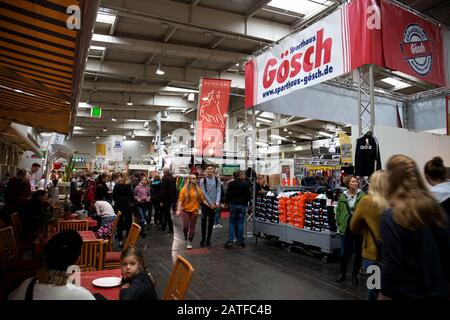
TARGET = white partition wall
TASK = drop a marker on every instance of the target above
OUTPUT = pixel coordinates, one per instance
(420, 146)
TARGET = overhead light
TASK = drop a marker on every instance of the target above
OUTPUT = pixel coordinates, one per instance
(18, 90)
(124, 137)
(191, 97)
(93, 141)
(294, 141)
(396, 83)
(294, 145)
(129, 103)
(153, 140)
(135, 120)
(332, 149)
(290, 132)
(104, 129)
(97, 48)
(237, 64)
(114, 119)
(97, 137)
(78, 128)
(159, 71)
(285, 130)
(142, 145)
(326, 134)
(133, 135)
(105, 17)
(257, 124)
(277, 137)
(192, 126)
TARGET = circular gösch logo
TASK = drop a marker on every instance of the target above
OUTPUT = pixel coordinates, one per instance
(417, 49)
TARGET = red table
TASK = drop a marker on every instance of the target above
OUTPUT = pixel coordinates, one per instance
(87, 235)
(108, 293)
(92, 222)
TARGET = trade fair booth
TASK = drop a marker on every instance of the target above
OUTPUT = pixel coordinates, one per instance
(352, 49)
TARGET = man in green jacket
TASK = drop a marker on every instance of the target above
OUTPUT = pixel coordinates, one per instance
(349, 241)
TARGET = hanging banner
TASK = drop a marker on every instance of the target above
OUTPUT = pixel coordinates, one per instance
(446, 37)
(346, 148)
(100, 150)
(413, 45)
(211, 116)
(329, 48)
(116, 150)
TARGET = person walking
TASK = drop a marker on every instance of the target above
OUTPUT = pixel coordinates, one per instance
(415, 261)
(123, 201)
(168, 199)
(191, 196)
(33, 176)
(210, 186)
(238, 195)
(155, 195)
(142, 199)
(436, 176)
(348, 202)
(367, 220)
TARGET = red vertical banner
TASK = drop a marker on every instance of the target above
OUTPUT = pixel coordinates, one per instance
(412, 45)
(211, 116)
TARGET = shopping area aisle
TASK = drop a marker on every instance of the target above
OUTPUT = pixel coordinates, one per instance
(258, 271)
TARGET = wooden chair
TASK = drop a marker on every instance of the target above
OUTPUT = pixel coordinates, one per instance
(112, 259)
(179, 280)
(12, 256)
(16, 224)
(77, 225)
(114, 230)
(91, 257)
(23, 244)
(8, 245)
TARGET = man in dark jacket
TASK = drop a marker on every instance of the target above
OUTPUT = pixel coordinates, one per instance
(168, 198)
(237, 195)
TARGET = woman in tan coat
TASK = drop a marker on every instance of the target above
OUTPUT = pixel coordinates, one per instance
(367, 221)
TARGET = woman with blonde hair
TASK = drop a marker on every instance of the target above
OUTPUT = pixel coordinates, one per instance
(190, 198)
(415, 252)
(367, 220)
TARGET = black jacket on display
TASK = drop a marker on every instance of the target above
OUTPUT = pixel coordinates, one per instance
(367, 156)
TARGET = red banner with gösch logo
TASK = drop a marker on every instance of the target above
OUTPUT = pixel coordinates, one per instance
(211, 116)
(412, 45)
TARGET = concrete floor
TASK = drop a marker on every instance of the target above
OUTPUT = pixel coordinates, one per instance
(261, 270)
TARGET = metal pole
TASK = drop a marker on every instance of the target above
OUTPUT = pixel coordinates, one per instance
(372, 98)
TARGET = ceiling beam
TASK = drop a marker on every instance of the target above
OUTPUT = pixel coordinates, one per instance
(216, 42)
(256, 7)
(170, 50)
(169, 34)
(226, 24)
(114, 26)
(128, 71)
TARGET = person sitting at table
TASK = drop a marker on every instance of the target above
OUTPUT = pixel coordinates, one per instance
(52, 282)
(137, 282)
(36, 214)
(104, 211)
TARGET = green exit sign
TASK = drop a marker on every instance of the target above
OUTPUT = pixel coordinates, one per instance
(96, 112)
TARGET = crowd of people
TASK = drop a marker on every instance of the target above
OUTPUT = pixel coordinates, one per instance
(401, 227)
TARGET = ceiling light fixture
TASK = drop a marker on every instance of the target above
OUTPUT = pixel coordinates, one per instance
(129, 103)
(290, 132)
(97, 137)
(285, 130)
(104, 129)
(159, 71)
(133, 135)
(124, 137)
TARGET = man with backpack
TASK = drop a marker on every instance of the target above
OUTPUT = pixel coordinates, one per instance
(211, 188)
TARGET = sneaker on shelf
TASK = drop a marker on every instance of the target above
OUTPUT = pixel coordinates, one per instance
(189, 245)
